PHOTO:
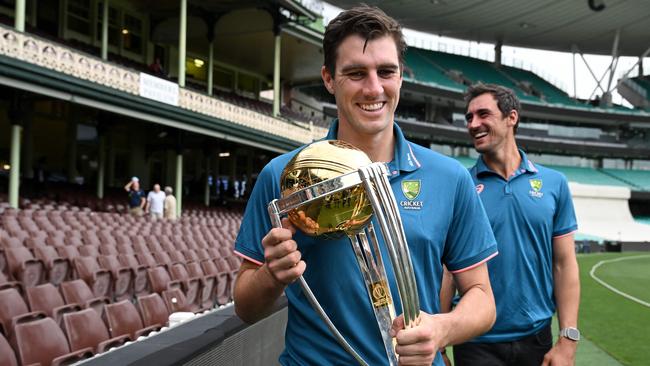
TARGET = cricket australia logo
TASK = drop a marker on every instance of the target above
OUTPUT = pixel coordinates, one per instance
(411, 190)
(536, 188)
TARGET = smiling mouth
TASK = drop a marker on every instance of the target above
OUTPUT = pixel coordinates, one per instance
(371, 107)
(479, 135)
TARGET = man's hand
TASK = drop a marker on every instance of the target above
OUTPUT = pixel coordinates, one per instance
(420, 344)
(281, 255)
(562, 354)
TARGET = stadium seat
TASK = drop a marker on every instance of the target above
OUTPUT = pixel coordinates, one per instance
(96, 277)
(24, 267)
(85, 328)
(207, 284)
(69, 251)
(108, 249)
(46, 298)
(7, 355)
(12, 309)
(140, 281)
(153, 310)
(78, 292)
(122, 276)
(41, 341)
(89, 251)
(222, 285)
(160, 280)
(175, 300)
(123, 319)
(59, 269)
(191, 285)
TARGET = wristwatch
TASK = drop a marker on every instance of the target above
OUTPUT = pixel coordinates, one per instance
(570, 333)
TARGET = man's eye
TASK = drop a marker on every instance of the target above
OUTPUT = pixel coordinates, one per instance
(356, 75)
(386, 73)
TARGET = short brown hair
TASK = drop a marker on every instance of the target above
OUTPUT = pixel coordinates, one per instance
(507, 100)
(368, 22)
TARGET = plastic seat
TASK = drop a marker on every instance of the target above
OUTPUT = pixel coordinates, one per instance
(78, 292)
(46, 298)
(174, 300)
(223, 281)
(24, 267)
(69, 251)
(42, 342)
(191, 285)
(146, 259)
(96, 277)
(160, 280)
(12, 308)
(122, 276)
(59, 269)
(153, 310)
(140, 281)
(123, 319)
(108, 249)
(207, 284)
(89, 251)
(7, 355)
(85, 328)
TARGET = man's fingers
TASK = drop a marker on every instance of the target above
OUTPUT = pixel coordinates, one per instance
(286, 223)
(398, 324)
(280, 250)
(285, 262)
(287, 276)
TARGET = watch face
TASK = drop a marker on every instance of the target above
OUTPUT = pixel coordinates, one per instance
(573, 334)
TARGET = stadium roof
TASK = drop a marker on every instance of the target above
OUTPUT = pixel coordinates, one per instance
(543, 24)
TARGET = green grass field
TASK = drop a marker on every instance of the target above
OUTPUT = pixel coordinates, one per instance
(618, 326)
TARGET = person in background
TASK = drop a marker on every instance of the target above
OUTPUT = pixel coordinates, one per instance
(169, 204)
(155, 202)
(532, 215)
(136, 197)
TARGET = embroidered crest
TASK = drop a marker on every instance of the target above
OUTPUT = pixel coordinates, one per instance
(411, 188)
(536, 184)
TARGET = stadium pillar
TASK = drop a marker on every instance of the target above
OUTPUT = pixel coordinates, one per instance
(276, 73)
(210, 66)
(206, 193)
(27, 160)
(101, 166)
(179, 182)
(14, 172)
(19, 22)
(497, 53)
(182, 34)
(640, 66)
(575, 81)
(105, 30)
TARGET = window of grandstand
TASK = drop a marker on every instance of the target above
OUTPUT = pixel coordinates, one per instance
(78, 17)
(113, 25)
(132, 34)
(196, 68)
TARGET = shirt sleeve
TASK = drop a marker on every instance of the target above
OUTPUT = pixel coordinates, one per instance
(470, 240)
(256, 222)
(564, 219)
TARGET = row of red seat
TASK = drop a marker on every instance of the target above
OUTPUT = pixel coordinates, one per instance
(45, 329)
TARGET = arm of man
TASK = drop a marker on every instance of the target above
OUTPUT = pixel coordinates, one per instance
(127, 187)
(566, 288)
(474, 315)
(258, 287)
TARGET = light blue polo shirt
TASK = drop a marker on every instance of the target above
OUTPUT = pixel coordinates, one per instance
(444, 223)
(526, 212)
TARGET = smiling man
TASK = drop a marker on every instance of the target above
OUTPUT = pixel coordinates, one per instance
(533, 219)
(443, 219)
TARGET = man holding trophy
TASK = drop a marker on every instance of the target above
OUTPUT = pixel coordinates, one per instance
(432, 195)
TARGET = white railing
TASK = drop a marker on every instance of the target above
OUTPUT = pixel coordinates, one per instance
(54, 56)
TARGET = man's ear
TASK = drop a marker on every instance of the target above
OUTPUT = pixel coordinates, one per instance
(328, 80)
(513, 118)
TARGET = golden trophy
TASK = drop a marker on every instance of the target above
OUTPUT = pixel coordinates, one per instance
(332, 189)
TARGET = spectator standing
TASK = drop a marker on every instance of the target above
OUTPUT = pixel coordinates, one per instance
(155, 202)
(136, 197)
(169, 204)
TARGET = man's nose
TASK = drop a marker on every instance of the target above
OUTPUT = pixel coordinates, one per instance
(373, 86)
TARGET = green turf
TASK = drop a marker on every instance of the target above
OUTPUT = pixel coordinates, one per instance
(613, 323)
(630, 276)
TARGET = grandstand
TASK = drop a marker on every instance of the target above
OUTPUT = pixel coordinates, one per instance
(82, 111)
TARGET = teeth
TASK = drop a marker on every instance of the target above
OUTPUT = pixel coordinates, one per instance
(371, 107)
(480, 134)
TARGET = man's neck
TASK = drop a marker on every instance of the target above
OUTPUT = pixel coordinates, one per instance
(378, 147)
(504, 161)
